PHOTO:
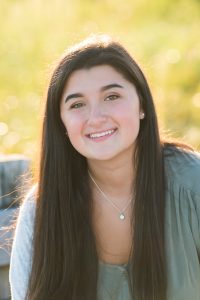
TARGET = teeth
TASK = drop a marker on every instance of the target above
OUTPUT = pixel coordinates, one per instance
(97, 135)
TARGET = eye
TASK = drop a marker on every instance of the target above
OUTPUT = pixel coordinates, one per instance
(76, 105)
(112, 97)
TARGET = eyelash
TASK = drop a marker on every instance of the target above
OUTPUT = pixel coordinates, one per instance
(112, 96)
(76, 105)
(108, 98)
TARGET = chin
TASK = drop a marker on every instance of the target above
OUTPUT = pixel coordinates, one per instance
(102, 157)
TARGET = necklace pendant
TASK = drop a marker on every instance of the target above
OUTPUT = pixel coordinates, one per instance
(122, 216)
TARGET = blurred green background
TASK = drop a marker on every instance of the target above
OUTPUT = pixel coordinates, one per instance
(162, 35)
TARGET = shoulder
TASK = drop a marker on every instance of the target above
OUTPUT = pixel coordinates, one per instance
(29, 203)
(183, 167)
(25, 219)
(27, 209)
(21, 255)
(25, 225)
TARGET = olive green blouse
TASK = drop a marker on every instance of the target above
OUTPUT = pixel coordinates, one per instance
(182, 236)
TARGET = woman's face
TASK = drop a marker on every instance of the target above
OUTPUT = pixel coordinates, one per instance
(101, 113)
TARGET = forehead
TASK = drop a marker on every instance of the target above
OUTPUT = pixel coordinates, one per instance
(94, 77)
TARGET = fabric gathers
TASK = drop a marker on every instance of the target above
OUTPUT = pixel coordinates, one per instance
(182, 238)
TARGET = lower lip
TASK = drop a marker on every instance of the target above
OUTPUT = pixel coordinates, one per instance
(102, 138)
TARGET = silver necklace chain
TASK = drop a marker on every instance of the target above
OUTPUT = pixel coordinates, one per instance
(121, 211)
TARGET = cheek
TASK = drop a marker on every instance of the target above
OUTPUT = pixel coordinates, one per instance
(73, 129)
(130, 122)
(73, 125)
(129, 115)
(132, 127)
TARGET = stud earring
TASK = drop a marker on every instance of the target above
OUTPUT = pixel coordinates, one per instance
(142, 115)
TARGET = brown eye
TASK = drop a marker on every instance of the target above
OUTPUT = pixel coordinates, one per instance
(112, 97)
(76, 105)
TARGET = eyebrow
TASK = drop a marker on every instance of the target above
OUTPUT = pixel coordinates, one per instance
(104, 88)
(110, 86)
(75, 95)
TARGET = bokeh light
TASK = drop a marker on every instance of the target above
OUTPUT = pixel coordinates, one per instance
(162, 36)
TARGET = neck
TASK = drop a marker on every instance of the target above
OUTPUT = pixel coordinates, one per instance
(115, 179)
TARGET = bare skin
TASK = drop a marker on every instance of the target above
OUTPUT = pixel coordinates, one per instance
(101, 113)
(113, 235)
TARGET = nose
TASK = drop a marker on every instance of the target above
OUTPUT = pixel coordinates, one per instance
(96, 116)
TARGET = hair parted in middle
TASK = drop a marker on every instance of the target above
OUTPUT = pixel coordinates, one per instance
(65, 261)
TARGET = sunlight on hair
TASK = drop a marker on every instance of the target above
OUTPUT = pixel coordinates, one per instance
(102, 39)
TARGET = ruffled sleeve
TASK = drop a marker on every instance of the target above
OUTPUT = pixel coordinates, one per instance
(182, 226)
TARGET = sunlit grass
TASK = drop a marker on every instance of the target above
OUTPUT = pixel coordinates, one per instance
(161, 35)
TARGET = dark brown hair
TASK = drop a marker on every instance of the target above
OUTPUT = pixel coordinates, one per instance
(65, 261)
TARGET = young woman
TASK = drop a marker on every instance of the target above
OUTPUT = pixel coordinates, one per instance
(116, 211)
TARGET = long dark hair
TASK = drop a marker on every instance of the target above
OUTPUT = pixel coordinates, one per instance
(65, 261)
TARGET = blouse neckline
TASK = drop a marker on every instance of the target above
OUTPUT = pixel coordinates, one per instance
(110, 265)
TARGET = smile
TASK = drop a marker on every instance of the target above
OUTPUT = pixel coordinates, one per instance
(101, 134)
